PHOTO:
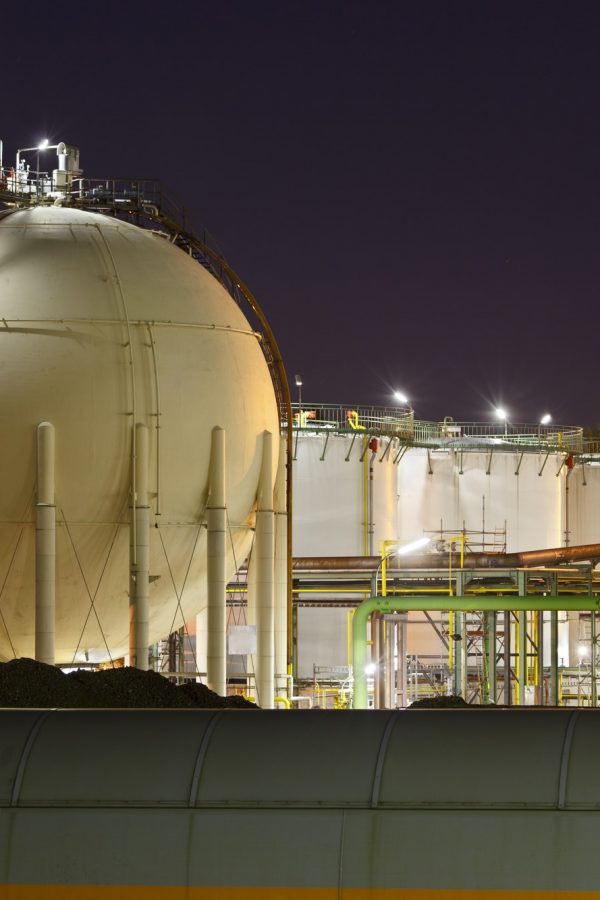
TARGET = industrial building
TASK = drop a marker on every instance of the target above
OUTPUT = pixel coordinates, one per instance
(147, 513)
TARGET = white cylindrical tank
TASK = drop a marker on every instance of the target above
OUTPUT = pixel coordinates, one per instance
(451, 490)
(104, 325)
(333, 498)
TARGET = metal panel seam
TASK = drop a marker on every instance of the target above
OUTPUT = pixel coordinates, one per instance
(14, 797)
(202, 750)
(381, 759)
(564, 760)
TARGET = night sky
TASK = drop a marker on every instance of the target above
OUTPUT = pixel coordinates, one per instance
(411, 190)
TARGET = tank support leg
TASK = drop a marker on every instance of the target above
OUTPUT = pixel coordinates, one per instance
(139, 555)
(216, 518)
(45, 547)
(282, 688)
(263, 575)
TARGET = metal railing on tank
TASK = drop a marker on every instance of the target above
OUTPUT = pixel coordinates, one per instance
(400, 422)
(348, 418)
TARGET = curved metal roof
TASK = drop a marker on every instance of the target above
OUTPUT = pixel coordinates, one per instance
(442, 759)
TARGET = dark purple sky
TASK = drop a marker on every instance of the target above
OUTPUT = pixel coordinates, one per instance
(410, 189)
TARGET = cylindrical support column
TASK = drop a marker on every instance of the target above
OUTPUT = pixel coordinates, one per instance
(216, 519)
(139, 555)
(540, 694)
(264, 560)
(376, 662)
(507, 654)
(459, 639)
(490, 630)
(283, 685)
(554, 658)
(522, 619)
(45, 547)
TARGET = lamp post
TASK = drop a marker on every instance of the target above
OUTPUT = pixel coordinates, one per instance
(299, 386)
(43, 145)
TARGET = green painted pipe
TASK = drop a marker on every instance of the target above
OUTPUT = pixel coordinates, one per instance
(434, 602)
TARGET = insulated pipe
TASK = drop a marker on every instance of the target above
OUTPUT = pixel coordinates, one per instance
(264, 562)
(419, 603)
(139, 555)
(554, 556)
(216, 519)
(45, 547)
(281, 577)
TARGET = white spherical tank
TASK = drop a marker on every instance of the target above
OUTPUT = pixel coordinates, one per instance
(102, 325)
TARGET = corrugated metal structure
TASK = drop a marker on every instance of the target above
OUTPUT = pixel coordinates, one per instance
(451, 804)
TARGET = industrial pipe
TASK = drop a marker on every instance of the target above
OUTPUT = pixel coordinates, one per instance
(551, 557)
(45, 546)
(421, 602)
(216, 519)
(139, 555)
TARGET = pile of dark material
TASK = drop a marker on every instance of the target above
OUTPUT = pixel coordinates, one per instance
(26, 683)
(452, 701)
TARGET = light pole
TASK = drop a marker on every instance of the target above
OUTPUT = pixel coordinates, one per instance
(43, 145)
(299, 386)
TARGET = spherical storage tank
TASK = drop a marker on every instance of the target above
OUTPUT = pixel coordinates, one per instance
(103, 325)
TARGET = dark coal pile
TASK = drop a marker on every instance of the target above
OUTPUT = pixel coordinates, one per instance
(452, 701)
(27, 683)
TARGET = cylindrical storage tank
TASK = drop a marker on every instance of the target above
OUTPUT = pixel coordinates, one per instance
(452, 489)
(344, 505)
(344, 493)
(581, 502)
(326, 804)
(105, 325)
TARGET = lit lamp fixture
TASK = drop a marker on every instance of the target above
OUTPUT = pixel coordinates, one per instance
(393, 548)
(545, 420)
(399, 397)
(298, 380)
(43, 145)
(503, 416)
(410, 548)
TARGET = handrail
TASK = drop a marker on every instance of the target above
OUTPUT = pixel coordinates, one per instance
(400, 422)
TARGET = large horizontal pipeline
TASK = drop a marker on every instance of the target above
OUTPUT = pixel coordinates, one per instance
(322, 805)
(550, 557)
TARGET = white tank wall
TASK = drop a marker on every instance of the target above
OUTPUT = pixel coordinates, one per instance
(584, 505)
(528, 503)
(322, 638)
(329, 492)
(77, 293)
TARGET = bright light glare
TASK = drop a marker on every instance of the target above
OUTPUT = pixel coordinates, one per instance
(502, 414)
(582, 650)
(414, 545)
(370, 669)
(546, 419)
(400, 397)
(44, 144)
